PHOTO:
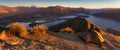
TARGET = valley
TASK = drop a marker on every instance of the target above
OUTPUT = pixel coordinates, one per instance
(58, 28)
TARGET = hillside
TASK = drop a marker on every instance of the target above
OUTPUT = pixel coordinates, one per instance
(73, 34)
(5, 9)
(111, 14)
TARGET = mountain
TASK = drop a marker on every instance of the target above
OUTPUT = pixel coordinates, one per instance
(6, 9)
(111, 14)
(44, 11)
(60, 11)
(79, 24)
(23, 13)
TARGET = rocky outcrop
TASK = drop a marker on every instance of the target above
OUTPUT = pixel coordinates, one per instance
(78, 24)
(90, 32)
(92, 36)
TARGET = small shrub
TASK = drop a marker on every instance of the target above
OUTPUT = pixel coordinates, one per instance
(67, 29)
(18, 29)
(41, 28)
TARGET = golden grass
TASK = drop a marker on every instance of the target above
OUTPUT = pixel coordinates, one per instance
(39, 29)
(67, 29)
(117, 37)
(18, 29)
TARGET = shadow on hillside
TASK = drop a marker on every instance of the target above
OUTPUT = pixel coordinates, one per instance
(75, 38)
(70, 37)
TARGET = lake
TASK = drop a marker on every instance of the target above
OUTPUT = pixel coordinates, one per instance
(102, 22)
(105, 23)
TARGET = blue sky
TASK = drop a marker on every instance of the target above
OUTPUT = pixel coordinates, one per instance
(66, 3)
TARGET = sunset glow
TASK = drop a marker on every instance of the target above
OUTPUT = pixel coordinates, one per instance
(66, 3)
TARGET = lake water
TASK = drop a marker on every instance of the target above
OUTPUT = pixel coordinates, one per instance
(40, 21)
(105, 23)
(54, 22)
(102, 22)
(67, 17)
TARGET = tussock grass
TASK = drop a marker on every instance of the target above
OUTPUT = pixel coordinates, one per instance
(67, 29)
(18, 29)
(39, 29)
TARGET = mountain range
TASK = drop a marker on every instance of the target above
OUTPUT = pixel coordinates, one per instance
(45, 11)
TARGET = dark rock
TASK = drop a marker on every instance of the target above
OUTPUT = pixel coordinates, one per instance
(2, 28)
(78, 24)
(92, 36)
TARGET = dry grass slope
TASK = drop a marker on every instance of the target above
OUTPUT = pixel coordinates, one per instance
(67, 29)
(46, 40)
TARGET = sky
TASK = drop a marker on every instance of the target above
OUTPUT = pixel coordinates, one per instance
(65, 3)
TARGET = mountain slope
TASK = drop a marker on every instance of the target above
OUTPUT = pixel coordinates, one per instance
(56, 40)
(5, 9)
(111, 14)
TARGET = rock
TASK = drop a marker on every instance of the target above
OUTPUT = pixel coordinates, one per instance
(78, 24)
(2, 28)
(92, 36)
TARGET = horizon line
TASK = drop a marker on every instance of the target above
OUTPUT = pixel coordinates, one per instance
(61, 6)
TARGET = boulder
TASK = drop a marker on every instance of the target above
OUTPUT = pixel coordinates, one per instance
(92, 36)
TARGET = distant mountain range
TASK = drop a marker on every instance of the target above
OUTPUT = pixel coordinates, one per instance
(5, 9)
(111, 14)
(44, 11)
(9, 11)
(22, 13)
